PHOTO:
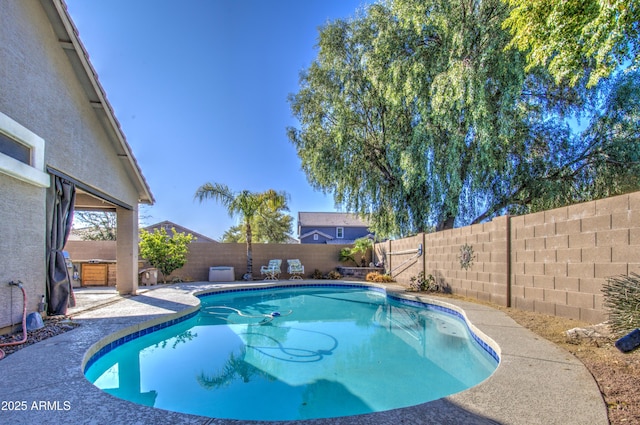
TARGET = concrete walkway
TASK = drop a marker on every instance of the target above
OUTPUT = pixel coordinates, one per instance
(536, 382)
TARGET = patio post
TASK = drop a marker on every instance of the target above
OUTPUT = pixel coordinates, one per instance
(127, 251)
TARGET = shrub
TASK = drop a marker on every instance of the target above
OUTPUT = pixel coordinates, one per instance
(622, 299)
(360, 246)
(317, 274)
(347, 255)
(334, 275)
(378, 278)
(163, 251)
(421, 283)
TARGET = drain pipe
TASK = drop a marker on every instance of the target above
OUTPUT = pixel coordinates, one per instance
(24, 319)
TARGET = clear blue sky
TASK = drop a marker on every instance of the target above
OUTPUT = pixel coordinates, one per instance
(200, 89)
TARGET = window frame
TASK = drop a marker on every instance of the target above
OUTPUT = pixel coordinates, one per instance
(339, 232)
(32, 173)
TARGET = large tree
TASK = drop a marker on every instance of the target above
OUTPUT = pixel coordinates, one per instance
(247, 205)
(267, 227)
(576, 39)
(95, 225)
(410, 108)
(355, 141)
(419, 114)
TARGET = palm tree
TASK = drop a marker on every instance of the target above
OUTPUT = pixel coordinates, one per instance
(246, 204)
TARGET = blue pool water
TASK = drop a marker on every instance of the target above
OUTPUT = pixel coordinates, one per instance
(302, 353)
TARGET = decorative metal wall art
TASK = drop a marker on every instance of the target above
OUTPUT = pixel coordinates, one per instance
(466, 256)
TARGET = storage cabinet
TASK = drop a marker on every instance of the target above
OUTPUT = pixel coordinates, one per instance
(95, 274)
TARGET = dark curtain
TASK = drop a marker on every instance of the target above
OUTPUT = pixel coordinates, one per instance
(60, 203)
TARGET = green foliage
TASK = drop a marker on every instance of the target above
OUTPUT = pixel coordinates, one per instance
(408, 106)
(248, 205)
(418, 113)
(612, 140)
(360, 246)
(347, 255)
(622, 300)
(163, 251)
(576, 39)
(234, 234)
(266, 227)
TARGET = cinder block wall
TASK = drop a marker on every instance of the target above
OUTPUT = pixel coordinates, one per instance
(554, 262)
(204, 255)
(91, 250)
(486, 277)
(400, 257)
(561, 258)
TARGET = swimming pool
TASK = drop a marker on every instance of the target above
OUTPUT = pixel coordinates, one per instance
(285, 353)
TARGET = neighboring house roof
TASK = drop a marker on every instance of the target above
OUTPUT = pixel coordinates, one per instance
(69, 40)
(330, 219)
(180, 229)
(318, 232)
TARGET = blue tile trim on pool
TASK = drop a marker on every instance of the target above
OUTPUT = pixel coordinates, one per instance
(137, 334)
(134, 335)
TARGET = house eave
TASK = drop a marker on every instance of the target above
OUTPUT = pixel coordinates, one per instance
(70, 42)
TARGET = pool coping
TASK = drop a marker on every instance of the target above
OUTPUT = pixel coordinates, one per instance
(536, 381)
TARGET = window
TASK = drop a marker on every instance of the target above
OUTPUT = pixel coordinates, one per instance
(21, 153)
(315, 236)
(15, 150)
(340, 232)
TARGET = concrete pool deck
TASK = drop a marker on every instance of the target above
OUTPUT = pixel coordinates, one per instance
(536, 382)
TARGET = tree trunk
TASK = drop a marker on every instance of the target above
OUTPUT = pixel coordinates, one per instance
(249, 252)
(446, 224)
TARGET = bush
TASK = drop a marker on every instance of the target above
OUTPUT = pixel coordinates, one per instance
(334, 275)
(360, 246)
(378, 278)
(163, 251)
(622, 299)
(347, 255)
(317, 274)
(429, 284)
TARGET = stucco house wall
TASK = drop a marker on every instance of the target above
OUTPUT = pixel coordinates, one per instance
(45, 88)
(22, 246)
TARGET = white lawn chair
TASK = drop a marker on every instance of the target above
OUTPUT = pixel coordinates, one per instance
(295, 269)
(272, 270)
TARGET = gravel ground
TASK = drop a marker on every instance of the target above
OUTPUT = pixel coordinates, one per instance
(52, 326)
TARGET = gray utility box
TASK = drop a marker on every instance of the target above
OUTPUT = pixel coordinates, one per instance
(221, 274)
